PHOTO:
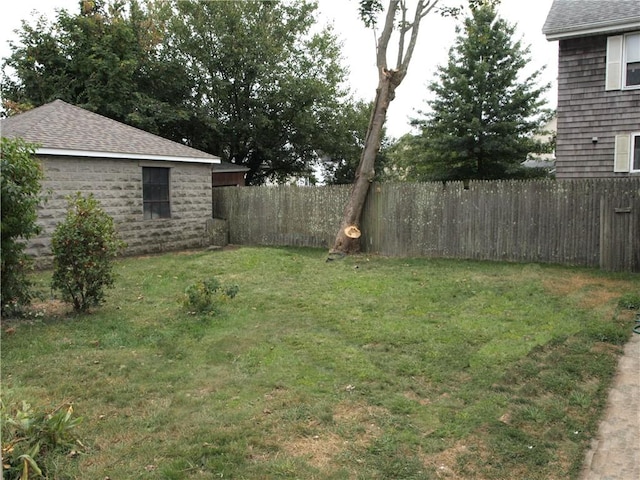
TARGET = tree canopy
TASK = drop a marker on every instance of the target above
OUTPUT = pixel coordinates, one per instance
(340, 165)
(485, 114)
(268, 87)
(107, 59)
(254, 82)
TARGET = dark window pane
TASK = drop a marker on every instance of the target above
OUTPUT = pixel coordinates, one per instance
(155, 193)
(163, 210)
(636, 153)
(156, 175)
(633, 74)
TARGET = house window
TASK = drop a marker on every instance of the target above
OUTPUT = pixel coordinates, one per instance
(155, 193)
(632, 60)
(627, 153)
(623, 61)
(635, 153)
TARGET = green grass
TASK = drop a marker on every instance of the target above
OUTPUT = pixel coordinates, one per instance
(366, 368)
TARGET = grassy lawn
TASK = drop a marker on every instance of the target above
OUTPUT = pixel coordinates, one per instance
(366, 368)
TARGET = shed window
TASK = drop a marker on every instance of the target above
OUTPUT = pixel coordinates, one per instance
(155, 193)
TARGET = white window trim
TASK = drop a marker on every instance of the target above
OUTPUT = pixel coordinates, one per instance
(615, 78)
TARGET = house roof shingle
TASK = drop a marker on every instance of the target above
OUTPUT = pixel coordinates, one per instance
(63, 129)
(576, 18)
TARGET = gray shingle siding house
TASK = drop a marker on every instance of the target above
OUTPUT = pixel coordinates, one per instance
(598, 87)
(158, 191)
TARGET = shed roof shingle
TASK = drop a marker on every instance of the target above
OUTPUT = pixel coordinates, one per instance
(573, 18)
(59, 127)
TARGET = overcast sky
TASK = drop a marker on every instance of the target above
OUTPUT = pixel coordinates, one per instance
(436, 37)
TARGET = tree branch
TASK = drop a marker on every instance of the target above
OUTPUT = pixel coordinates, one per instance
(428, 7)
(422, 10)
(403, 29)
(383, 42)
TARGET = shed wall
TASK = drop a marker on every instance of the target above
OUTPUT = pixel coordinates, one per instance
(117, 184)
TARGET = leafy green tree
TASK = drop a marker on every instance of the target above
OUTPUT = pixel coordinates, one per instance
(401, 164)
(248, 81)
(341, 161)
(484, 116)
(108, 59)
(266, 87)
(84, 246)
(20, 176)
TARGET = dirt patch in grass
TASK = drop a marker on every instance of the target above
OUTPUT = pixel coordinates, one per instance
(445, 463)
(318, 450)
(607, 348)
(51, 308)
(358, 421)
(45, 309)
(361, 416)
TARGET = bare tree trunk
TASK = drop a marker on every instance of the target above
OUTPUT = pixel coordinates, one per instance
(347, 240)
(348, 237)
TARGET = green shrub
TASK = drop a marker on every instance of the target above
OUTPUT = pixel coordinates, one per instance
(29, 438)
(84, 246)
(205, 296)
(20, 176)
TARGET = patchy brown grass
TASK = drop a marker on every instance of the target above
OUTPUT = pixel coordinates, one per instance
(589, 291)
(51, 308)
(445, 463)
(411, 395)
(317, 450)
(357, 419)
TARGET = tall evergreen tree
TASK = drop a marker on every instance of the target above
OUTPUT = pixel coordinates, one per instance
(484, 116)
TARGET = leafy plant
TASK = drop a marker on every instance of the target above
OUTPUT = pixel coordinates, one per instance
(205, 296)
(20, 176)
(84, 245)
(28, 437)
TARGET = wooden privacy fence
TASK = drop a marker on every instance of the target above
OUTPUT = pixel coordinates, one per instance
(575, 222)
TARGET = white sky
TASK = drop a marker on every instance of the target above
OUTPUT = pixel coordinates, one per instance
(436, 37)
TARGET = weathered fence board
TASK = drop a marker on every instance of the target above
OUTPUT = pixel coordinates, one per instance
(577, 222)
(620, 232)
